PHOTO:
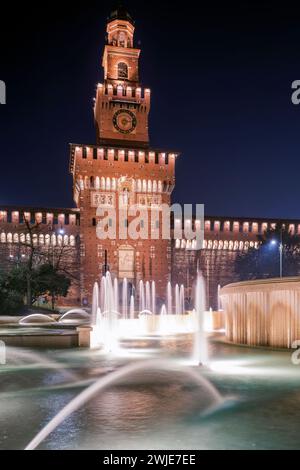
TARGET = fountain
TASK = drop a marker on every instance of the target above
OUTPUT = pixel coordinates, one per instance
(153, 292)
(37, 319)
(22, 359)
(200, 352)
(124, 300)
(169, 299)
(75, 316)
(132, 308)
(113, 321)
(116, 294)
(95, 303)
(142, 297)
(78, 402)
(177, 299)
(148, 297)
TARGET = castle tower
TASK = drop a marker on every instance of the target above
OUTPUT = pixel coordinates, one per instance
(122, 172)
(122, 107)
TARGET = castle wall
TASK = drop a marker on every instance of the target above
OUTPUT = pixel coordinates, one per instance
(55, 236)
(225, 238)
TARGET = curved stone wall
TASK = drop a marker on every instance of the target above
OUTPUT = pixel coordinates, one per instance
(263, 312)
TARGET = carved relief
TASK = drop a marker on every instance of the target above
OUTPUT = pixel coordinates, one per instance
(126, 262)
(149, 201)
(105, 200)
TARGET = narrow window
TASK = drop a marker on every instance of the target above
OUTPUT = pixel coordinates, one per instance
(122, 71)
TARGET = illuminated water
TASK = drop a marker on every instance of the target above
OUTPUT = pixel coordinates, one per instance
(156, 409)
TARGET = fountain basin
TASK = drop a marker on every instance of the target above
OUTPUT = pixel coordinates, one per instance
(43, 338)
(263, 312)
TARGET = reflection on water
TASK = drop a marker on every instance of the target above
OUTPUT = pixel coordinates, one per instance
(153, 409)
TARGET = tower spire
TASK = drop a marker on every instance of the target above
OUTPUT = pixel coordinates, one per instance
(120, 13)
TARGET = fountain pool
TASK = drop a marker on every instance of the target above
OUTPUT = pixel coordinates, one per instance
(159, 408)
(141, 390)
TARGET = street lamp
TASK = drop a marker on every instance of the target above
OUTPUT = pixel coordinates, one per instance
(275, 243)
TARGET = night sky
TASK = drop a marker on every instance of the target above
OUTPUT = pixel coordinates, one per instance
(221, 94)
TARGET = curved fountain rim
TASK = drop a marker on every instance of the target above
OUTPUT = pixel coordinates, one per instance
(262, 282)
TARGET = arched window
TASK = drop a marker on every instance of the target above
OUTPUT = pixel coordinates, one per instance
(122, 71)
(97, 182)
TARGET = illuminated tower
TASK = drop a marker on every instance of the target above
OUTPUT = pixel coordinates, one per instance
(121, 171)
(122, 107)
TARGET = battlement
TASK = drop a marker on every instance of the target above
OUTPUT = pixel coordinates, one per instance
(235, 234)
(49, 217)
(123, 92)
(116, 154)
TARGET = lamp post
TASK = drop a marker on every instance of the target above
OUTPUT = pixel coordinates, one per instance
(275, 242)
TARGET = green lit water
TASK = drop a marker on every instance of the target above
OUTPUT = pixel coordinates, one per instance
(152, 409)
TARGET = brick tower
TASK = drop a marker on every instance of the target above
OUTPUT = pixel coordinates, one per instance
(122, 171)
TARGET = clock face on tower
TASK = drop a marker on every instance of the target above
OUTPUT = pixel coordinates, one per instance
(124, 121)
